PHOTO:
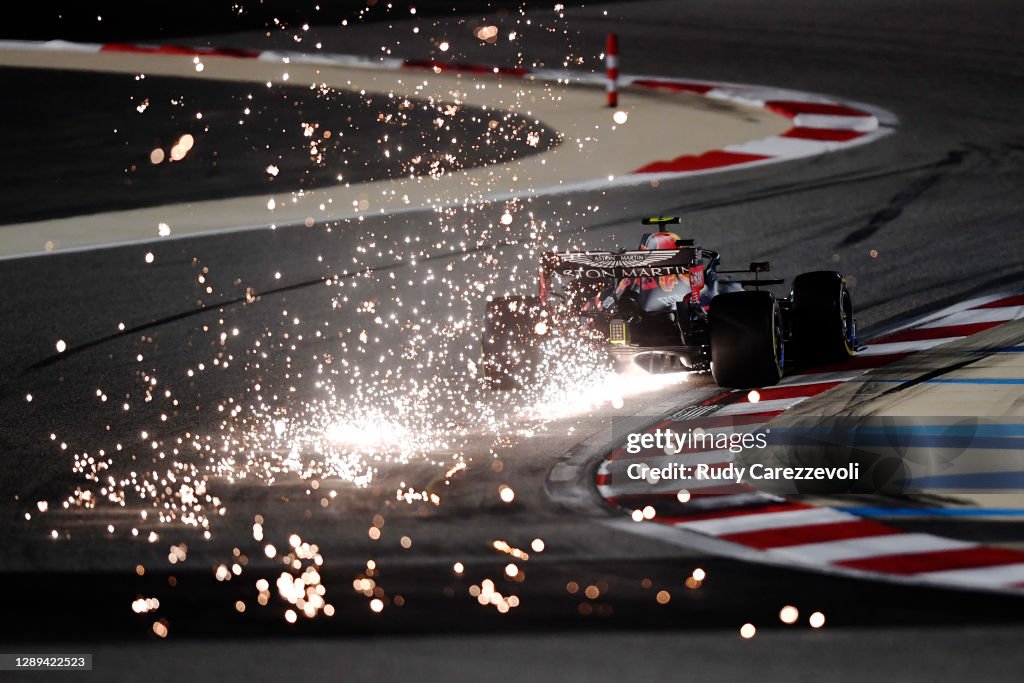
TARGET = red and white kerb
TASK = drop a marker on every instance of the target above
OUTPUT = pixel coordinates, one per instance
(777, 530)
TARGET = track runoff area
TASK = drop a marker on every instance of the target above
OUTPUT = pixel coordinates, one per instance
(793, 474)
(665, 135)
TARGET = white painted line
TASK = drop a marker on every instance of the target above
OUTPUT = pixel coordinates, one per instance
(904, 347)
(778, 146)
(861, 124)
(746, 408)
(820, 377)
(996, 575)
(748, 98)
(349, 61)
(61, 45)
(872, 546)
(735, 500)
(978, 315)
(944, 312)
(769, 520)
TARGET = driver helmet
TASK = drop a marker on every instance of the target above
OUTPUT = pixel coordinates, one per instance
(659, 240)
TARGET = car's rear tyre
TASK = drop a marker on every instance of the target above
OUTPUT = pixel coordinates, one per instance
(747, 348)
(823, 329)
(509, 341)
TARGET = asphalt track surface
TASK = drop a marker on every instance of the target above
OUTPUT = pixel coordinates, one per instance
(252, 141)
(939, 201)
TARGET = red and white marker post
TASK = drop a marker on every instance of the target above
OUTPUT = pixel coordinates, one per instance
(611, 59)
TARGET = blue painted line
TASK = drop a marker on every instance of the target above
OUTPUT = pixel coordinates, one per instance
(963, 436)
(976, 480)
(1007, 349)
(934, 512)
(1005, 437)
(988, 430)
(980, 380)
(903, 441)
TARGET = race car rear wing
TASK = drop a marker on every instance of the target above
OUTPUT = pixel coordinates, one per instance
(619, 265)
(756, 267)
(623, 264)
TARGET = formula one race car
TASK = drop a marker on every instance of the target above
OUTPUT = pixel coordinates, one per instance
(665, 307)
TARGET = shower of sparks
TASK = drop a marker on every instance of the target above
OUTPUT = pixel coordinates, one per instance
(300, 584)
(506, 494)
(368, 405)
(384, 377)
(487, 595)
(503, 547)
(143, 605)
